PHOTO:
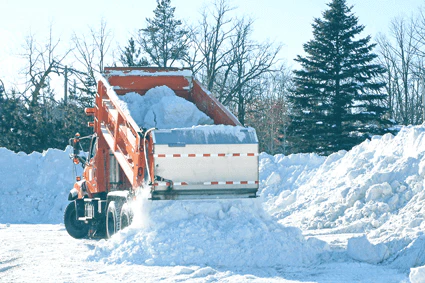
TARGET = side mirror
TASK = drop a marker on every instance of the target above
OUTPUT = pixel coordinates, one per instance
(76, 144)
(75, 156)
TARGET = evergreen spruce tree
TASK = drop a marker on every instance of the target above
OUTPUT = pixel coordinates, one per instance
(87, 93)
(131, 55)
(47, 124)
(336, 102)
(2, 90)
(13, 120)
(164, 39)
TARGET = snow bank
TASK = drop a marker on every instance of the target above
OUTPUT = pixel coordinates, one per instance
(34, 188)
(354, 191)
(281, 175)
(161, 108)
(231, 233)
(377, 187)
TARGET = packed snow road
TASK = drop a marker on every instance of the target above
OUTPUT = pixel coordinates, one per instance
(46, 253)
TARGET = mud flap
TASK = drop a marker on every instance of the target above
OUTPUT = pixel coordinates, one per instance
(90, 209)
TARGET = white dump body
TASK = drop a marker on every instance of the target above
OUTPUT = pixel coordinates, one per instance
(207, 161)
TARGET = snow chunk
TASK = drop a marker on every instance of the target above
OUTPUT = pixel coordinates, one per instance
(203, 272)
(361, 249)
(413, 255)
(378, 191)
(417, 275)
(183, 270)
(273, 179)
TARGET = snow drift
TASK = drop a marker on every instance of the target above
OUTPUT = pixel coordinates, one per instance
(375, 183)
(231, 233)
(376, 188)
(34, 187)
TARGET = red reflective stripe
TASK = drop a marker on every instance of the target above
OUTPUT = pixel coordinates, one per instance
(211, 183)
(157, 184)
(205, 155)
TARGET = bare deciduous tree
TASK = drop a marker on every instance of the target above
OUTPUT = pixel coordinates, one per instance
(212, 42)
(42, 61)
(92, 51)
(269, 114)
(249, 60)
(400, 56)
(230, 63)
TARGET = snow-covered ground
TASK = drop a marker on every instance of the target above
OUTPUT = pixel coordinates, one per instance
(355, 216)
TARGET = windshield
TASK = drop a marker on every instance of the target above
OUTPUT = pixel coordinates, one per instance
(93, 147)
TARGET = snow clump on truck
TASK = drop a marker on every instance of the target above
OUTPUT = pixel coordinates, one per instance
(161, 108)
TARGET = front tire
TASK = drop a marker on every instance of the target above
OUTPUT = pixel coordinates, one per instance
(75, 228)
(126, 216)
(111, 219)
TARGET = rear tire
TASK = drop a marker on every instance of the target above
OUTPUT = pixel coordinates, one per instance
(111, 219)
(126, 216)
(75, 228)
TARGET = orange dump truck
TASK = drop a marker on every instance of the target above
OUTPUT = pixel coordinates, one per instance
(126, 158)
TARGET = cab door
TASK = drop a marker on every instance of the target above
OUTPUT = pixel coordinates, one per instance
(90, 169)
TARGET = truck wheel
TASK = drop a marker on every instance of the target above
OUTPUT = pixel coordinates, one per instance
(111, 220)
(126, 216)
(75, 228)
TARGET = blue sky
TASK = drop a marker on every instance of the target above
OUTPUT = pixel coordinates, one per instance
(285, 21)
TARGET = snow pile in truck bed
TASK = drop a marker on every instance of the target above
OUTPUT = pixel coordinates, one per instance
(34, 188)
(227, 233)
(161, 108)
(141, 73)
